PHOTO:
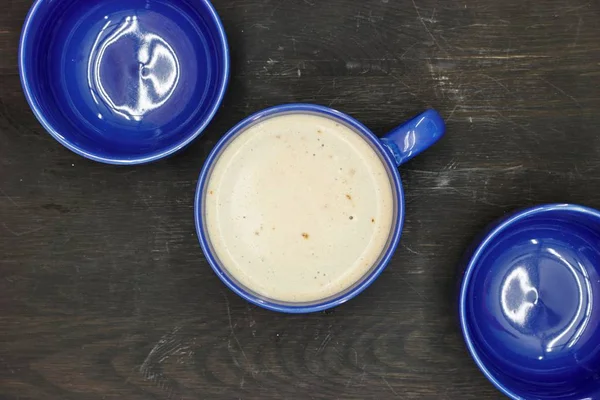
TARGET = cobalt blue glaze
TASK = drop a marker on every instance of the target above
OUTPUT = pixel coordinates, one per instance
(529, 303)
(421, 140)
(124, 81)
(414, 136)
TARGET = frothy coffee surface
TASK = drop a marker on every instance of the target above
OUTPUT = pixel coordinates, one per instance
(298, 207)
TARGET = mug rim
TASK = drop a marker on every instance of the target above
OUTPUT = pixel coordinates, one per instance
(359, 285)
(488, 239)
(223, 78)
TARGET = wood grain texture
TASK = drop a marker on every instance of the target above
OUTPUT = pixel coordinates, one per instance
(105, 293)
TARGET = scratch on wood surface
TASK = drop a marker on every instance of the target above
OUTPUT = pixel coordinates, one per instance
(277, 7)
(390, 386)
(577, 32)
(508, 50)
(324, 343)
(497, 81)
(431, 20)
(403, 84)
(410, 250)
(158, 217)
(355, 356)
(170, 344)
(407, 50)
(510, 121)
(442, 181)
(233, 331)
(333, 101)
(286, 72)
(370, 19)
(492, 57)
(560, 90)
(425, 26)
(362, 376)
(471, 193)
(19, 234)
(158, 228)
(3, 193)
(479, 169)
(413, 288)
(260, 26)
(468, 170)
(568, 10)
(452, 112)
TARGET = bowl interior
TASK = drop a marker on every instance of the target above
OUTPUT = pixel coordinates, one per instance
(124, 80)
(531, 305)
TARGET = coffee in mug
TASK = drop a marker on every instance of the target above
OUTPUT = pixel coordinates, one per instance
(299, 207)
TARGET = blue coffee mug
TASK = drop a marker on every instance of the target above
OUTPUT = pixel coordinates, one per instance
(123, 82)
(529, 303)
(397, 147)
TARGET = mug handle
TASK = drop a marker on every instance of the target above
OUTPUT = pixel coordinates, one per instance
(414, 136)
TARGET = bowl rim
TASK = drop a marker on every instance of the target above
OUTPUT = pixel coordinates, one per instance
(223, 81)
(334, 300)
(482, 244)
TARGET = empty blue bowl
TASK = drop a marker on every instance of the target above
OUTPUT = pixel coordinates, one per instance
(124, 81)
(529, 303)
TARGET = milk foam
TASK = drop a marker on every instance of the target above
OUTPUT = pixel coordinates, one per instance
(298, 207)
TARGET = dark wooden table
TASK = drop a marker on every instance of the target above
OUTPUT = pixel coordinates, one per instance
(105, 293)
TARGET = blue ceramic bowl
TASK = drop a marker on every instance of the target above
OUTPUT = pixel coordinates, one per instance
(123, 81)
(529, 303)
(395, 148)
